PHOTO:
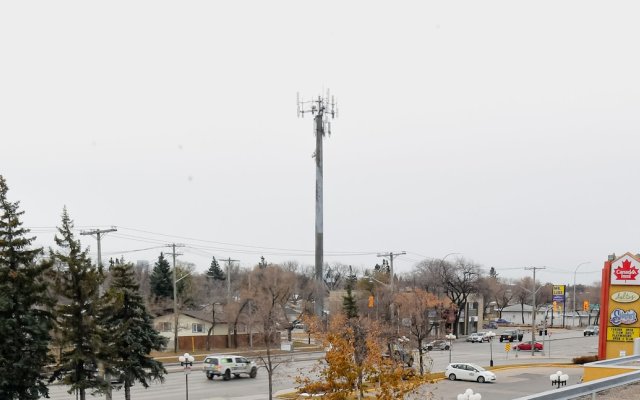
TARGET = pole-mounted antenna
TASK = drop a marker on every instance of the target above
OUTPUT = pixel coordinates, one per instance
(323, 109)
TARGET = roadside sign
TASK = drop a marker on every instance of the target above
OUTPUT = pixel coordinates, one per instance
(507, 347)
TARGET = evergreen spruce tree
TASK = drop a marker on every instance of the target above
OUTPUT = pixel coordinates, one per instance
(385, 268)
(78, 333)
(161, 279)
(215, 272)
(349, 305)
(25, 320)
(128, 331)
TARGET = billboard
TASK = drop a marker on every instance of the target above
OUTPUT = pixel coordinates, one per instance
(558, 293)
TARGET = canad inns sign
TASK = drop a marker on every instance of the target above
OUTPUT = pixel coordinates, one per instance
(625, 272)
(620, 306)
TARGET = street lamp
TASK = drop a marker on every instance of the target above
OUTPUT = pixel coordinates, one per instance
(574, 290)
(559, 379)
(443, 258)
(187, 361)
(490, 335)
(469, 395)
(450, 337)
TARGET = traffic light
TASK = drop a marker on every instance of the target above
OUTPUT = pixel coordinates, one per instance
(555, 306)
(585, 305)
(371, 299)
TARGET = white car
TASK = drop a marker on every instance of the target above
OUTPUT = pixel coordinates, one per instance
(480, 337)
(468, 372)
(591, 330)
(472, 338)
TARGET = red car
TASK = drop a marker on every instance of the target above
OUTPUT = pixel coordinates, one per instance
(524, 346)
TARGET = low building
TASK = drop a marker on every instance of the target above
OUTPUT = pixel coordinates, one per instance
(521, 314)
(193, 331)
(192, 324)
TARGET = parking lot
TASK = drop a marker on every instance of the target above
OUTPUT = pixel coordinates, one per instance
(511, 383)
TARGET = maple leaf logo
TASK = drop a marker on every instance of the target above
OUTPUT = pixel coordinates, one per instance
(627, 272)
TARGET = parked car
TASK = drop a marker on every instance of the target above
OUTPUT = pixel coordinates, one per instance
(490, 325)
(468, 372)
(227, 365)
(399, 354)
(511, 334)
(591, 330)
(526, 346)
(436, 345)
(472, 338)
(542, 329)
(481, 337)
(501, 321)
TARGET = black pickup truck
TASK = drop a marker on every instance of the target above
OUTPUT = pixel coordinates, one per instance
(511, 335)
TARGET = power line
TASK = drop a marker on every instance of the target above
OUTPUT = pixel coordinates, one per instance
(259, 249)
(132, 251)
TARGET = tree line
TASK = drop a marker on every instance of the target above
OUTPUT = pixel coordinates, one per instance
(59, 299)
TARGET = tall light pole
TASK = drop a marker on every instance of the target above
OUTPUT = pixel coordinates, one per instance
(574, 289)
(443, 258)
(187, 362)
(491, 335)
(450, 337)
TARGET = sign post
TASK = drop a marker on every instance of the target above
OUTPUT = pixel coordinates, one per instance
(559, 296)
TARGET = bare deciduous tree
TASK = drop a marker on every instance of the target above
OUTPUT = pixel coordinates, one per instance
(457, 281)
(272, 290)
(422, 310)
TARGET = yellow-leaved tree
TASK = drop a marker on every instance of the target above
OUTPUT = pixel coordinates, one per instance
(355, 362)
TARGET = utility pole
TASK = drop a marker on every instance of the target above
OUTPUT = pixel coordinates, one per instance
(228, 261)
(390, 255)
(321, 109)
(98, 233)
(533, 312)
(574, 293)
(175, 295)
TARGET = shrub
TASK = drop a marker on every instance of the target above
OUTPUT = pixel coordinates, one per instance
(585, 359)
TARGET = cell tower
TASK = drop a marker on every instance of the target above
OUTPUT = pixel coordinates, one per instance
(322, 109)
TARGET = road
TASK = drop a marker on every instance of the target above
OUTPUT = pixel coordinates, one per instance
(200, 388)
(564, 346)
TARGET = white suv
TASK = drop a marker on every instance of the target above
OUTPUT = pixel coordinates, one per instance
(226, 365)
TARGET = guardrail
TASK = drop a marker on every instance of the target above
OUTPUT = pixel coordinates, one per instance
(585, 389)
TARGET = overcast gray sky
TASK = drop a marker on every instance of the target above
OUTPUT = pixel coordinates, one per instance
(505, 131)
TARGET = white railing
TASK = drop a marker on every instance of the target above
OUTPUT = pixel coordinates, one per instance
(587, 388)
